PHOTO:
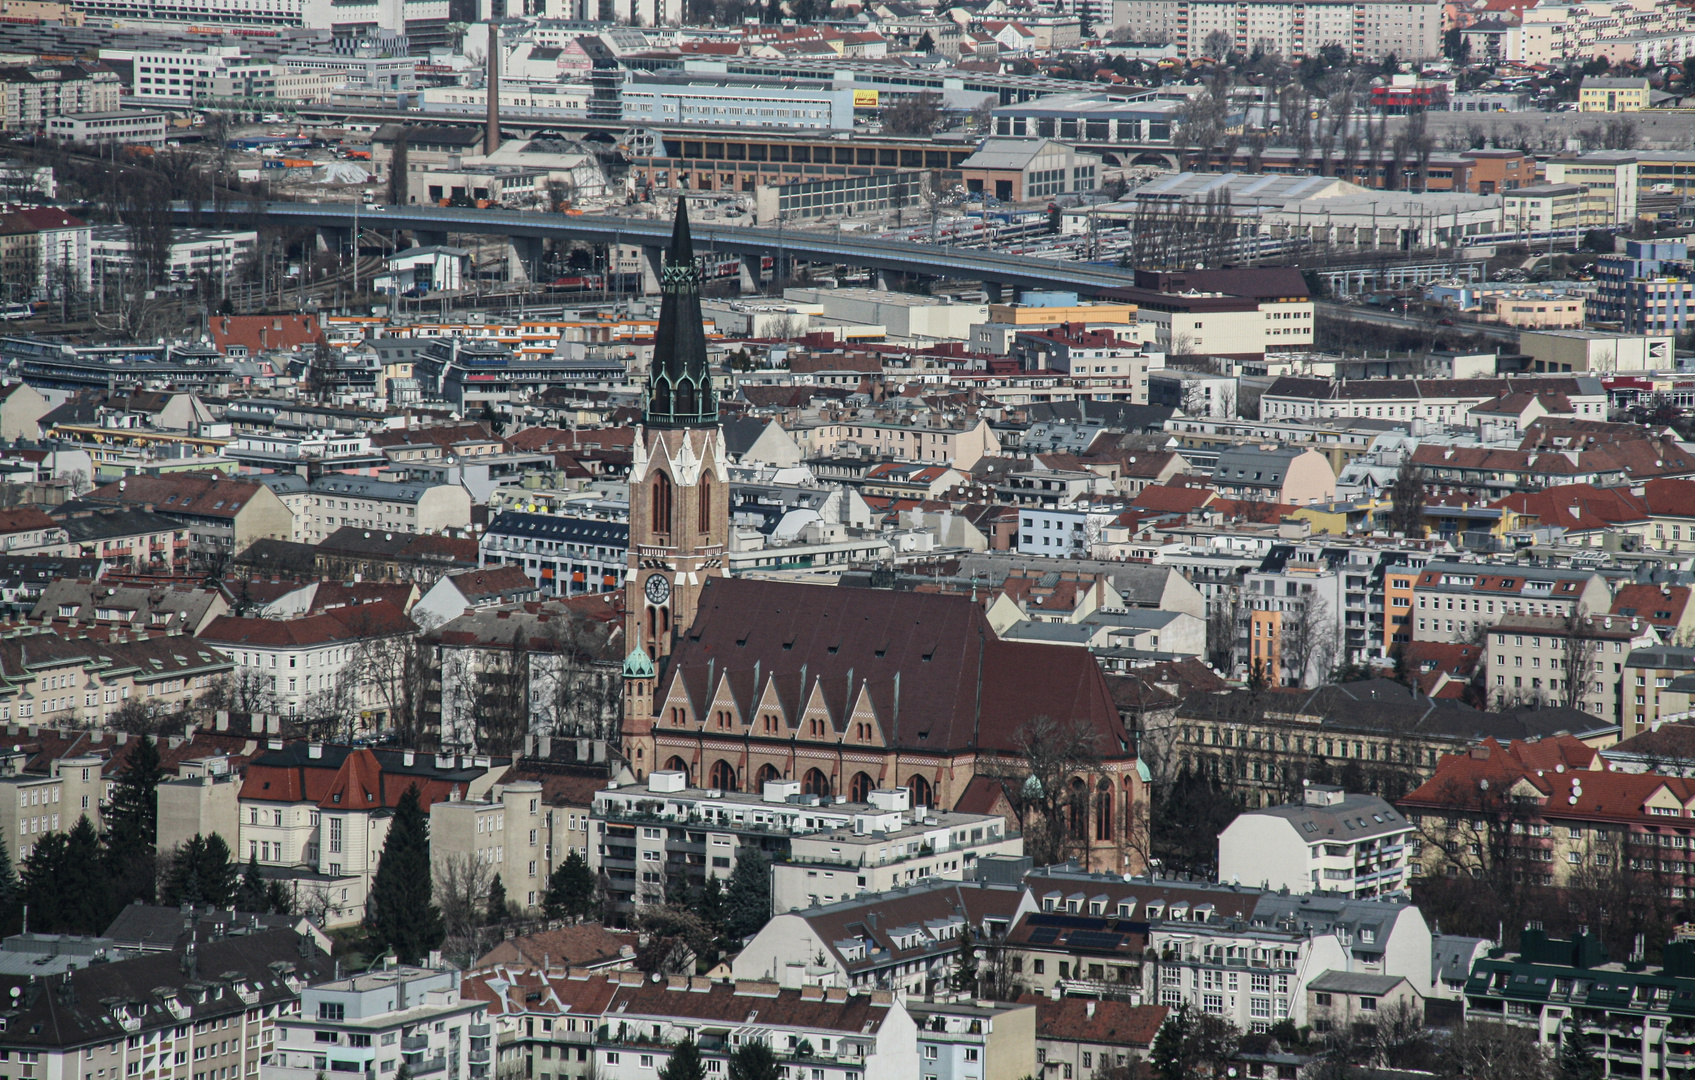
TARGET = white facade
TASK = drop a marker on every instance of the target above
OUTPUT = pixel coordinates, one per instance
(215, 253)
(1319, 846)
(737, 106)
(1063, 533)
(373, 1023)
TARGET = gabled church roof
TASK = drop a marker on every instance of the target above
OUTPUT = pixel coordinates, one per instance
(937, 677)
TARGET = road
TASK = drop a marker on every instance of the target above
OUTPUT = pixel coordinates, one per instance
(1019, 271)
(1378, 317)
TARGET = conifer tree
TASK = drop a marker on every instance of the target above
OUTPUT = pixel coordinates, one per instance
(685, 1063)
(496, 902)
(250, 896)
(399, 912)
(132, 820)
(1577, 1059)
(570, 889)
(747, 904)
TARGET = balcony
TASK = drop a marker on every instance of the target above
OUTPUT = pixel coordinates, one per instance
(433, 1065)
(412, 1043)
(478, 1057)
(479, 1031)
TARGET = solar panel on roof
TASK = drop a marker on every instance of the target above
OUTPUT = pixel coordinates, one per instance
(1094, 939)
(1044, 935)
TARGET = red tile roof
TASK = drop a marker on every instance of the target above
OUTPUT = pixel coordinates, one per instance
(1107, 1022)
(1661, 605)
(211, 495)
(258, 333)
(1578, 507)
(25, 519)
(355, 622)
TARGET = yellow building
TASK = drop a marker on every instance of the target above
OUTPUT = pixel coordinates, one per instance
(1341, 518)
(1031, 315)
(1613, 95)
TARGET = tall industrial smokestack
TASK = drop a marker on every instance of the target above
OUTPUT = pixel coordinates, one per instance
(491, 137)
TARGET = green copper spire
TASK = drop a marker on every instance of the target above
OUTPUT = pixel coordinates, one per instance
(679, 385)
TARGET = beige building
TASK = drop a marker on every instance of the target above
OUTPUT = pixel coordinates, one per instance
(1032, 315)
(224, 516)
(1535, 311)
(1337, 1000)
(1274, 473)
(1609, 179)
(340, 501)
(1531, 660)
(994, 1040)
(1541, 207)
(1601, 94)
(1597, 351)
(919, 441)
(33, 805)
(201, 802)
(505, 832)
(21, 410)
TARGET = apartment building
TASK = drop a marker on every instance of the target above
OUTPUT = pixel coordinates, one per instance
(1542, 823)
(916, 440)
(888, 845)
(1243, 953)
(317, 815)
(1331, 841)
(1447, 401)
(644, 837)
(378, 1022)
(1366, 31)
(391, 506)
(622, 1026)
(505, 831)
(1578, 661)
(565, 653)
(1276, 474)
(1086, 1036)
(1369, 736)
(907, 939)
(320, 668)
(1456, 601)
(32, 93)
(1628, 1013)
(223, 516)
(211, 1012)
(53, 678)
(1647, 289)
(1656, 688)
(1604, 94)
(564, 555)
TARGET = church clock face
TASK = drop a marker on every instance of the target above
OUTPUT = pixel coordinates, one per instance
(657, 589)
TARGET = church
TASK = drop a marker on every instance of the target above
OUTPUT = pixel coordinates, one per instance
(739, 681)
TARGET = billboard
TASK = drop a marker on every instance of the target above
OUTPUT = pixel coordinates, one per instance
(865, 99)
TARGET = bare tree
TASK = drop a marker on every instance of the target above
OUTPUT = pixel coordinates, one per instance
(1048, 788)
(1300, 639)
(1499, 1051)
(1577, 658)
(461, 889)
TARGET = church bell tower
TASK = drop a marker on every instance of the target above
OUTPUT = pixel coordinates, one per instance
(679, 490)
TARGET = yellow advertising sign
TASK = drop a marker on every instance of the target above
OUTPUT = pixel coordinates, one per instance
(865, 99)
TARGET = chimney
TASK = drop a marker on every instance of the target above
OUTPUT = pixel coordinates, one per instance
(491, 137)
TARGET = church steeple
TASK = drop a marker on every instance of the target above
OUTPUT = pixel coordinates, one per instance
(679, 383)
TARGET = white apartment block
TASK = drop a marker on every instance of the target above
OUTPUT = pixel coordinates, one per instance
(374, 1023)
(886, 847)
(1333, 842)
(1443, 401)
(1366, 31)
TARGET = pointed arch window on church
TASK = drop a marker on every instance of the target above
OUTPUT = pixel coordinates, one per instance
(724, 776)
(920, 789)
(705, 514)
(661, 516)
(859, 790)
(815, 783)
(768, 773)
(1103, 811)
